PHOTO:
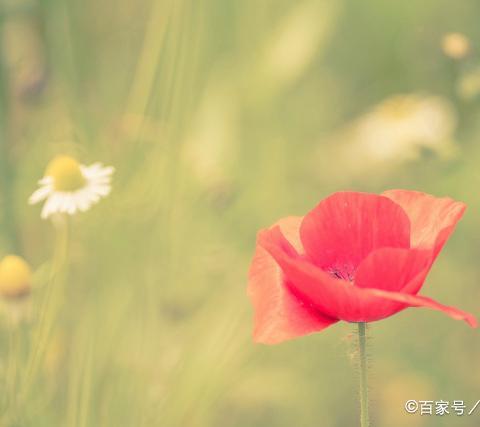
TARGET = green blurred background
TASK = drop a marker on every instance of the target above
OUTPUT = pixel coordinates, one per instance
(221, 117)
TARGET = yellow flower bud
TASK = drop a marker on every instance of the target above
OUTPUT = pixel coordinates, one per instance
(15, 277)
(456, 45)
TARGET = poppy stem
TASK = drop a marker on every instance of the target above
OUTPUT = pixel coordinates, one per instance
(362, 344)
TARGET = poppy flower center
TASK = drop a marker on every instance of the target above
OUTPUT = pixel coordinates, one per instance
(66, 174)
(345, 272)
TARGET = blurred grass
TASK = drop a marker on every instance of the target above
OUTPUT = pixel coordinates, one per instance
(221, 117)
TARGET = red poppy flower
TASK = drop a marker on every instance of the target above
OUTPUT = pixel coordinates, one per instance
(356, 257)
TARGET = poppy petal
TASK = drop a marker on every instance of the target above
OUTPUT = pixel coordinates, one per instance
(352, 303)
(421, 301)
(345, 227)
(432, 219)
(336, 298)
(392, 269)
(279, 314)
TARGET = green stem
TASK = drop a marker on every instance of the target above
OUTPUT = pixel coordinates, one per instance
(12, 367)
(51, 304)
(6, 167)
(362, 344)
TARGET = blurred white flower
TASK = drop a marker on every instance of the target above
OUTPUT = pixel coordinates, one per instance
(211, 142)
(299, 39)
(69, 187)
(398, 128)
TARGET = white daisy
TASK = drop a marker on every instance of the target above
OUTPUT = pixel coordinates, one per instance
(401, 126)
(68, 186)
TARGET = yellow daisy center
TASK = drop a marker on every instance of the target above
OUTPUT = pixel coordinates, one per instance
(66, 174)
(15, 277)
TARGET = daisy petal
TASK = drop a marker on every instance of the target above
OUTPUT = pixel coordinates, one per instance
(101, 190)
(41, 194)
(50, 206)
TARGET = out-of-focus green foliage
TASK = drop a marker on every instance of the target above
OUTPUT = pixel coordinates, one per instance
(220, 117)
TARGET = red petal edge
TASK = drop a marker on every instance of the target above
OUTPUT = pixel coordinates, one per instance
(433, 219)
(278, 314)
(421, 301)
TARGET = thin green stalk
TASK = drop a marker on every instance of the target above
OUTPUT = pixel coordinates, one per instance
(362, 345)
(52, 301)
(12, 367)
(6, 168)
